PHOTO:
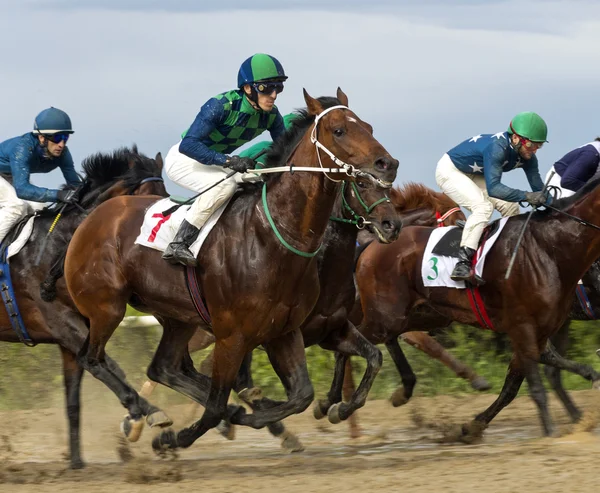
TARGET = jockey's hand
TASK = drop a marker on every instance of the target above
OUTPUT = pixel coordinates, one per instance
(240, 164)
(536, 199)
(67, 196)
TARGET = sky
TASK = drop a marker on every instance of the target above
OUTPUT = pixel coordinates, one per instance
(426, 74)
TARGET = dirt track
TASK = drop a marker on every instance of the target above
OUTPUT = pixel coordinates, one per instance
(400, 452)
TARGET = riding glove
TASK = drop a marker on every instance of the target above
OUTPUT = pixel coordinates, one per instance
(240, 164)
(537, 198)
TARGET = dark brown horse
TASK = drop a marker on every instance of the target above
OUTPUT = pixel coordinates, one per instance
(105, 176)
(529, 307)
(359, 206)
(257, 289)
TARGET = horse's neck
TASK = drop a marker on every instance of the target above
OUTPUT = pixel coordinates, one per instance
(302, 203)
(576, 246)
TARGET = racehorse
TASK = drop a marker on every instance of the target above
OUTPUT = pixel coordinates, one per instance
(357, 207)
(555, 253)
(105, 175)
(258, 286)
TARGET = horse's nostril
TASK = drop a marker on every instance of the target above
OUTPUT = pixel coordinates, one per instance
(387, 225)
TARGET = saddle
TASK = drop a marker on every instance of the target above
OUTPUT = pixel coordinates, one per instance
(450, 243)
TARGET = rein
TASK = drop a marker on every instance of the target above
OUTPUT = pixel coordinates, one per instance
(359, 221)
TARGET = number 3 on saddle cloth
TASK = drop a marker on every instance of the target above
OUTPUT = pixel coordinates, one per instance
(441, 256)
(12, 244)
(157, 231)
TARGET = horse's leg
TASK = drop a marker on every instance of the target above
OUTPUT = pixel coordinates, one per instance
(350, 342)
(92, 357)
(538, 393)
(348, 388)
(560, 341)
(73, 374)
(322, 406)
(512, 383)
(424, 342)
(551, 357)
(228, 356)
(402, 394)
(286, 354)
(252, 396)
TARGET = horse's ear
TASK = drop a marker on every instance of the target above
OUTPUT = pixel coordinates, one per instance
(312, 105)
(342, 97)
(159, 160)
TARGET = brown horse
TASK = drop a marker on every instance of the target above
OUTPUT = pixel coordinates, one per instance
(258, 287)
(529, 307)
(105, 176)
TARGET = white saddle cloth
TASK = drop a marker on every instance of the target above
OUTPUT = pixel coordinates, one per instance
(436, 269)
(157, 231)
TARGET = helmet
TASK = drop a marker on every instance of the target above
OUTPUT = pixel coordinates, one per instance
(51, 121)
(260, 67)
(529, 125)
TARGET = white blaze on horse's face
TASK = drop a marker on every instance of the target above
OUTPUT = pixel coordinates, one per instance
(350, 119)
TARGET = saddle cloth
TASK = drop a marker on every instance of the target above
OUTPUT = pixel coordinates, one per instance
(436, 269)
(20, 241)
(158, 231)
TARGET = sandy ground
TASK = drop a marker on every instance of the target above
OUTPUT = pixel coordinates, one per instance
(400, 451)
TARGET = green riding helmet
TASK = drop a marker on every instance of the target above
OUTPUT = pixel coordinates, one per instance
(529, 125)
(260, 67)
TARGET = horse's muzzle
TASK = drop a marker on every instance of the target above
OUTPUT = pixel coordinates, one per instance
(386, 167)
(386, 230)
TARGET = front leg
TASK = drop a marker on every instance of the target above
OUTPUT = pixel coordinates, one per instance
(286, 354)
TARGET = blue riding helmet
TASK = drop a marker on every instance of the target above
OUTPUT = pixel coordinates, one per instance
(52, 121)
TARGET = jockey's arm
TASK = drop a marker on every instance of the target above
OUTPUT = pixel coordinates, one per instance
(494, 157)
(206, 121)
(582, 166)
(67, 166)
(532, 172)
(20, 166)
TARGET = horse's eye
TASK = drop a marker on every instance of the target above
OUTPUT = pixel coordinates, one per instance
(361, 184)
(338, 132)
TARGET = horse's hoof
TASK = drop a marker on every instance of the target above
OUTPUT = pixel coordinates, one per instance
(250, 395)
(77, 464)
(399, 398)
(472, 432)
(226, 429)
(333, 414)
(290, 442)
(132, 428)
(164, 441)
(480, 384)
(318, 412)
(158, 418)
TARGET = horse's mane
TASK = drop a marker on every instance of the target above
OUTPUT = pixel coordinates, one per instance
(283, 147)
(567, 202)
(417, 196)
(102, 170)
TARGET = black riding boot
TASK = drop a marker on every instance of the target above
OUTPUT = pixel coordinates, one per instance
(178, 251)
(464, 270)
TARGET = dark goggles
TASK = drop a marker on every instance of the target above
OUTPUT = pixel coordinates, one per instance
(268, 87)
(58, 138)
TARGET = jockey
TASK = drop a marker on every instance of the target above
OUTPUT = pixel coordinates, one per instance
(470, 174)
(225, 123)
(39, 151)
(575, 168)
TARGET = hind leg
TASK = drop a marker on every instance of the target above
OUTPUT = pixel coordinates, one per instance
(73, 374)
(560, 341)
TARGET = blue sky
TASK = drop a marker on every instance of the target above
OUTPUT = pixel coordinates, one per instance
(426, 74)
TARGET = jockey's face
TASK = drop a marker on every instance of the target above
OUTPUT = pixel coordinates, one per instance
(52, 149)
(266, 101)
(525, 148)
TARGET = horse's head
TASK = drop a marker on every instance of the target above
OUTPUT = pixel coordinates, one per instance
(342, 138)
(418, 205)
(368, 207)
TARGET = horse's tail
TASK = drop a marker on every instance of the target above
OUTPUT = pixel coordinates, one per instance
(48, 285)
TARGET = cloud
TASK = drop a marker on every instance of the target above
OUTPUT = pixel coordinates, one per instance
(426, 79)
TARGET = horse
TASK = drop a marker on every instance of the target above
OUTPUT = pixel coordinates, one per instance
(105, 175)
(247, 266)
(358, 207)
(394, 299)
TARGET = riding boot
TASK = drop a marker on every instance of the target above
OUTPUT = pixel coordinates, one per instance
(178, 251)
(464, 269)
